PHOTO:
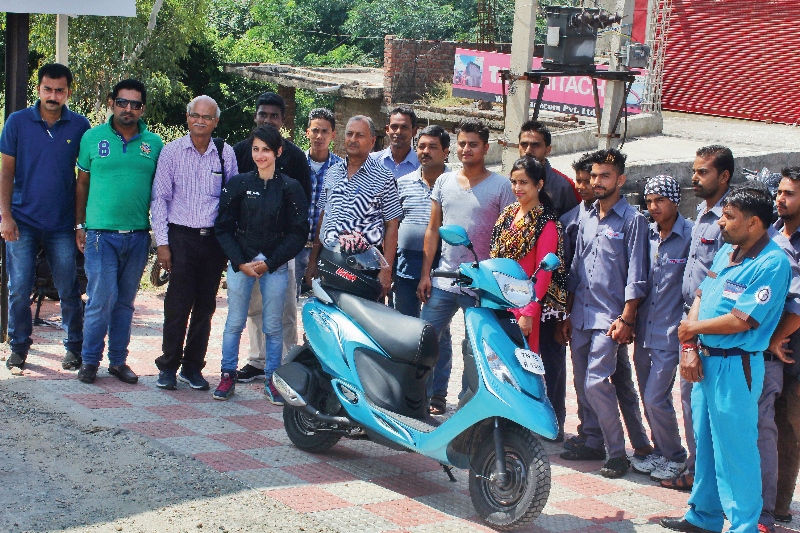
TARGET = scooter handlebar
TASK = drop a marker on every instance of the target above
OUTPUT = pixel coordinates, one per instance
(445, 274)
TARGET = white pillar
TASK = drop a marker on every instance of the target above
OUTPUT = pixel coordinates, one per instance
(519, 91)
(62, 42)
(615, 90)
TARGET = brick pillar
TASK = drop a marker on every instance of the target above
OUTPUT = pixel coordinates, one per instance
(288, 94)
(390, 68)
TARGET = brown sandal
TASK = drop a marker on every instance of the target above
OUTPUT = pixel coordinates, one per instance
(438, 405)
(683, 482)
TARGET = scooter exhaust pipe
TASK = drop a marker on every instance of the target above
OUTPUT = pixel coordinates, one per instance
(314, 413)
(301, 377)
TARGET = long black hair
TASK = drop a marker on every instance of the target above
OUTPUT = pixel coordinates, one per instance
(536, 172)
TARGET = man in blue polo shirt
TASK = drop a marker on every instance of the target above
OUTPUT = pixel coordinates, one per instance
(39, 148)
(735, 311)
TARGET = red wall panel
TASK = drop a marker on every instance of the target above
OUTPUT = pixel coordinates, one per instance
(734, 58)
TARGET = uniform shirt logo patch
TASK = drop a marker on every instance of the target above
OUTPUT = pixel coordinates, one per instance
(763, 294)
(104, 148)
(146, 149)
(732, 290)
(614, 234)
(677, 261)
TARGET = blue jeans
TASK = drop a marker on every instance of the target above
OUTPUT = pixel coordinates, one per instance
(61, 252)
(273, 292)
(114, 266)
(439, 311)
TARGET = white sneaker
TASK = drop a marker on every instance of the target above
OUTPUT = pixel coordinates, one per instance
(668, 470)
(649, 464)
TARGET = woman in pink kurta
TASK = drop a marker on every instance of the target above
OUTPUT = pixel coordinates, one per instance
(526, 231)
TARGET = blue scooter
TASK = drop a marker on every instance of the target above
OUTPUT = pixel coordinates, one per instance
(364, 369)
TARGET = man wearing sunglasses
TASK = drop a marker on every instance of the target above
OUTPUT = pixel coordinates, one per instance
(190, 175)
(116, 165)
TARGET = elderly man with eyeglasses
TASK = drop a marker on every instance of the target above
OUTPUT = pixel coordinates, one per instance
(190, 175)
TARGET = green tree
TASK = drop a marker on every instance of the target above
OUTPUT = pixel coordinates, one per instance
(104, 50)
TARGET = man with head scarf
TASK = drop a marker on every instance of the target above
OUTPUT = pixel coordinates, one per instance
(657, 350)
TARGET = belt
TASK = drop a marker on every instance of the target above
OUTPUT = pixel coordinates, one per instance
(118, 230)
(722, 352)
(769, 356)
(203, 232)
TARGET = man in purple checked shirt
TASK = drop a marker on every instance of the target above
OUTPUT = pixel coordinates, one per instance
(183, 208)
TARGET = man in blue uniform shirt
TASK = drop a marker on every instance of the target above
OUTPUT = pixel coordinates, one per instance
(735, 311)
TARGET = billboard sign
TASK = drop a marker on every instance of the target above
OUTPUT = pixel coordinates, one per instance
(476, 75)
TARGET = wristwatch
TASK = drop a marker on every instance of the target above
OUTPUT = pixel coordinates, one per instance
(82, 225)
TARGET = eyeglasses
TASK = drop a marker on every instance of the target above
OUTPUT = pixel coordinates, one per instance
(136, 105)
(207, 118)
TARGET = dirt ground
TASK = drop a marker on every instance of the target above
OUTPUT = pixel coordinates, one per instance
(59, 473)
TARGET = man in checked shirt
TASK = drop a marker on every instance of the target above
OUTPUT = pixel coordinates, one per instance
(183, 208)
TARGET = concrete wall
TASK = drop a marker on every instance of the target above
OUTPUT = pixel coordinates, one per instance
(350, 107)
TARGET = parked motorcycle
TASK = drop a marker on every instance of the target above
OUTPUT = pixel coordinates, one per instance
(364, 369)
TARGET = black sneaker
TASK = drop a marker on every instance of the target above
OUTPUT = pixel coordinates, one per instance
(16, 360)
(194, 378)
(250, 373)
(167, 380)
(615, 467)
(87, 373)
(71, 361)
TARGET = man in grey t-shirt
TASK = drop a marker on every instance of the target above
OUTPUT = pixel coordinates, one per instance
(473, 198)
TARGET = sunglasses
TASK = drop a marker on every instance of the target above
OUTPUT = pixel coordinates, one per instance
(136, 105)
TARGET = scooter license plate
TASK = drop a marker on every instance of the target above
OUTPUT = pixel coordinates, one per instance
(530, 361)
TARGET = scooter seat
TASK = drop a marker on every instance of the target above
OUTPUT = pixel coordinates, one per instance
(404, 338)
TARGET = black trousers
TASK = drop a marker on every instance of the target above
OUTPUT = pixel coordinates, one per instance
(554, 358)
(197, 265)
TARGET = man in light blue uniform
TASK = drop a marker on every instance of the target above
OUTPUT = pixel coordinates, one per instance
(657, 349)
(711, 174)
(735, 312)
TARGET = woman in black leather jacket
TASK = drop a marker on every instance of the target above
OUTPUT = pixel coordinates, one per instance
(262, 224)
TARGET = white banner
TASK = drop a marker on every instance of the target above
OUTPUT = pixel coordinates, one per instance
(106, 8)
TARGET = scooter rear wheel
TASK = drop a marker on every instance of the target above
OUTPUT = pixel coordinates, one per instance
(301, 430)
(522, 498)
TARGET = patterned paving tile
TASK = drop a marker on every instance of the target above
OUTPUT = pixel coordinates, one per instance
(588, 485)
(210, 426)
(266, 479)
(557, 521)
(409, 485)
(194, 444)
(147, 398)
(278, 435)
(452, 503)
(449, 526)
(115, 385)
(179, 411)
(354, 519)
(637, 504)
(122, 415)
(438, 476)
(309, 499)
(369, 448)
(260, 406)
(560, 493)
(594, 510)
(319, 473)
(674, 498)
(406, 512)
(228, 408)
(258, 422)
(160, 430)
(244, 440)
(190, 396)
(362, 492)
(97, 401)
(367, 468)
(413, 462)
(280, 456)
(229, 461)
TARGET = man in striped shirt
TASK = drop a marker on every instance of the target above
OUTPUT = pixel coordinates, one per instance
(360, 195)
(184, 204)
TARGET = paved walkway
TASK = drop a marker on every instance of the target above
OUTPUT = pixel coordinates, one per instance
(357, 486)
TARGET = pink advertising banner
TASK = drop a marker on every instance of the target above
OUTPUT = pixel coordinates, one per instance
(476, 75)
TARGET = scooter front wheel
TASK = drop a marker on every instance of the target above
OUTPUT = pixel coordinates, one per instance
(524, 494)
(301, 430)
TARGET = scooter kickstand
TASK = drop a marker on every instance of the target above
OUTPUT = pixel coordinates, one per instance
(449, 471)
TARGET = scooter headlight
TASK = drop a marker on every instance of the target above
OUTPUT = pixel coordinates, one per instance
(498, 367)
(519, 292)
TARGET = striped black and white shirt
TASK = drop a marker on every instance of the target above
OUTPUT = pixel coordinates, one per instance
(363, 202)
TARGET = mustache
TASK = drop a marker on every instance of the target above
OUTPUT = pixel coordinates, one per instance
(52, 102)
